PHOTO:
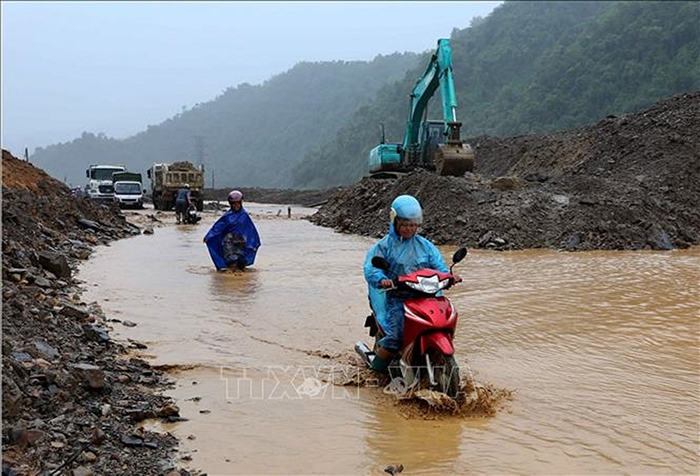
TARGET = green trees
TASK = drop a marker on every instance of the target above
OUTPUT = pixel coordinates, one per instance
(252, 135)
(625, 59)
(529, 67)
(537, 67)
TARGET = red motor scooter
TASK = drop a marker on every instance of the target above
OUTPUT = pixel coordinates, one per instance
(426, 359)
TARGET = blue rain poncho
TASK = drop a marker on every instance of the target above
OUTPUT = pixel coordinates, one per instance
(236, 223)
(404, 256)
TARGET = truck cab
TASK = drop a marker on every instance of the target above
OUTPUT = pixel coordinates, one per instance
(100, 186)
(128, 189)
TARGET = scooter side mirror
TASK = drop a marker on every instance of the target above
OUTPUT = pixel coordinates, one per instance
(459, 255)
(380, 263)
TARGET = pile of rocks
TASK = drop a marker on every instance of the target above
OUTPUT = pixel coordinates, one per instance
(72, 398)
(628, 182)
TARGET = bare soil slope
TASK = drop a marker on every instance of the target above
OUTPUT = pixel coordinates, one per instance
(629, 182)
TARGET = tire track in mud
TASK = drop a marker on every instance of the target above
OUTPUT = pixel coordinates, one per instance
(312, 353)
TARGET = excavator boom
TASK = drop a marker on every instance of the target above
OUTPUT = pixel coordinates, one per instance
(434, 145)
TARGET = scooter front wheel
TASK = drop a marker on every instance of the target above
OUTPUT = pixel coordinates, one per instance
(446, 373)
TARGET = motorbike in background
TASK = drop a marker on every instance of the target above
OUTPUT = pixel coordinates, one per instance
(426, 359)
(191, 217)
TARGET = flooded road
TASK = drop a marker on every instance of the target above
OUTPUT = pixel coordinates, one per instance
(602, 350)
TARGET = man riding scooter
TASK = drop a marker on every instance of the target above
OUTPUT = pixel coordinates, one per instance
(405, 251)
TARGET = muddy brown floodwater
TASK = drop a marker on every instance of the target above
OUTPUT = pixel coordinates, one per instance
(600, 348)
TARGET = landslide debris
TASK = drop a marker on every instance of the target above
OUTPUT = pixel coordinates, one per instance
(71, 397)
(630, 182)
(307, 198)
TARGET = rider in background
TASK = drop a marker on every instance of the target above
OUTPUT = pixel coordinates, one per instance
(406, 252)
(183, 200)
(233, 241)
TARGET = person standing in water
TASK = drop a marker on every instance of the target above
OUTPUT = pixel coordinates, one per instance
(183, 200)
(233, 240)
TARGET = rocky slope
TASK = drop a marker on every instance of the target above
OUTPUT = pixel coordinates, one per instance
(71, 396)
(629, 182)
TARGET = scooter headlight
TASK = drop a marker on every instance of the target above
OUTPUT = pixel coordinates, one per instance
(428, 285)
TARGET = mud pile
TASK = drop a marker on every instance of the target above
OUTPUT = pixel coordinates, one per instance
(629, 182)
(71, 397)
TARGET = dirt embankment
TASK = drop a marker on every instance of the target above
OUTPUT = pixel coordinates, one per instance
(71, 396)
(629, 182)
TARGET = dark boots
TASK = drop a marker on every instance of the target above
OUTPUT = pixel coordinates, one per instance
(382, 359)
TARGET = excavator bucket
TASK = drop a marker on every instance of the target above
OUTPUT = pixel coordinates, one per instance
(454, 159)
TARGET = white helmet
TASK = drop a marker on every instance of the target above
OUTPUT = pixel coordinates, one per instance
(235, 196)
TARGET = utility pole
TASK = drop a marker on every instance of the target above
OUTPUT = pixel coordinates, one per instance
(199, 146)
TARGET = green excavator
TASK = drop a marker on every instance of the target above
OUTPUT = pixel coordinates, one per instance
(430, 144)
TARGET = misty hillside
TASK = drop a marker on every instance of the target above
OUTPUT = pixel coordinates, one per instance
(529, 67)
(250, 134)
(536, 67)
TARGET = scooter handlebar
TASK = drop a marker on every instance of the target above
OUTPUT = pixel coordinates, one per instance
(398, 284)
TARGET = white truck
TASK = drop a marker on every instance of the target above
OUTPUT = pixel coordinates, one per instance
(100, 186)
(128, 189)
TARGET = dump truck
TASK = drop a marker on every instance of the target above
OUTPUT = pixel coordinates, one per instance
(431, 144)
(167, 179)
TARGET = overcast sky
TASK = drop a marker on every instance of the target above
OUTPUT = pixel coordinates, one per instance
(69, 67)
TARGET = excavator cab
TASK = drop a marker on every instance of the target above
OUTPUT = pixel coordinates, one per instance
(431, 137)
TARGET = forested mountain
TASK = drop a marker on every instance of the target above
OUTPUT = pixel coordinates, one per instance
(535, 67)
(250, 134)
(529, 67)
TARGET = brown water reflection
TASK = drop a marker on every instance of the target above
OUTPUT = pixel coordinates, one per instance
(602, 350)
